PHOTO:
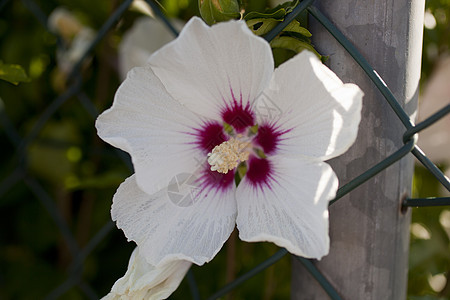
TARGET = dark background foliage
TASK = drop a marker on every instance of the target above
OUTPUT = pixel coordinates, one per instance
(67, 175)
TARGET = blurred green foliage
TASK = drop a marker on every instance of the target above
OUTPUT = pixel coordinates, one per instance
(436, 38)
(429, 259)
(81, 173)
(13, 73)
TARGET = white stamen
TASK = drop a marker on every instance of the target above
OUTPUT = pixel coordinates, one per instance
(228, 155)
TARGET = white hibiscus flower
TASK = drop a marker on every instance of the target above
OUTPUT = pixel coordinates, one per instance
(145, 37)
(211, 93)
(144, 281)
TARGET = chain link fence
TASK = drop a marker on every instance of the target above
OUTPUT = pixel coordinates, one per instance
(25, 142)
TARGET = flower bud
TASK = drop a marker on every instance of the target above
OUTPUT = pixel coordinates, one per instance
(63, 22)
(213, 11)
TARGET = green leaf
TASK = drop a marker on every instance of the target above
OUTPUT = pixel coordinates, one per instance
(288, 6)
(281, 55)
(13, 73)
(290, 43)
(213, 11)
(261, 26)
(277, 15)
(295, 26)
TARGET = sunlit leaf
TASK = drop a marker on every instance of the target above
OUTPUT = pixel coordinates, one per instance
(295, 26)
(277, 12)
(13, 73)
(292, 44)
(278, 15)
(261, 26)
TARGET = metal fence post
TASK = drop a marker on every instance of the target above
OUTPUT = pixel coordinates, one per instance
(369, 233)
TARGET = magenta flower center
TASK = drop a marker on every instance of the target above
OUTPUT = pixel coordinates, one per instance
(239, 117)
(259, 171)
(237, 141)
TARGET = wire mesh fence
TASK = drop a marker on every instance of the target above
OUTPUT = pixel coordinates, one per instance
(28, 141)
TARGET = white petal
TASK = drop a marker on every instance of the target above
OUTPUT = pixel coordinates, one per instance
(145, 281)
(205, 67)
(321, 113)
(145, 37)
(292, 210)
(165, 231)
(153, 128)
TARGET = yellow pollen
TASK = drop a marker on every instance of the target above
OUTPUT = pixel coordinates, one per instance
(228, 155)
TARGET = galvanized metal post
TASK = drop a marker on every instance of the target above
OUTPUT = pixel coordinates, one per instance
(369, 233)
